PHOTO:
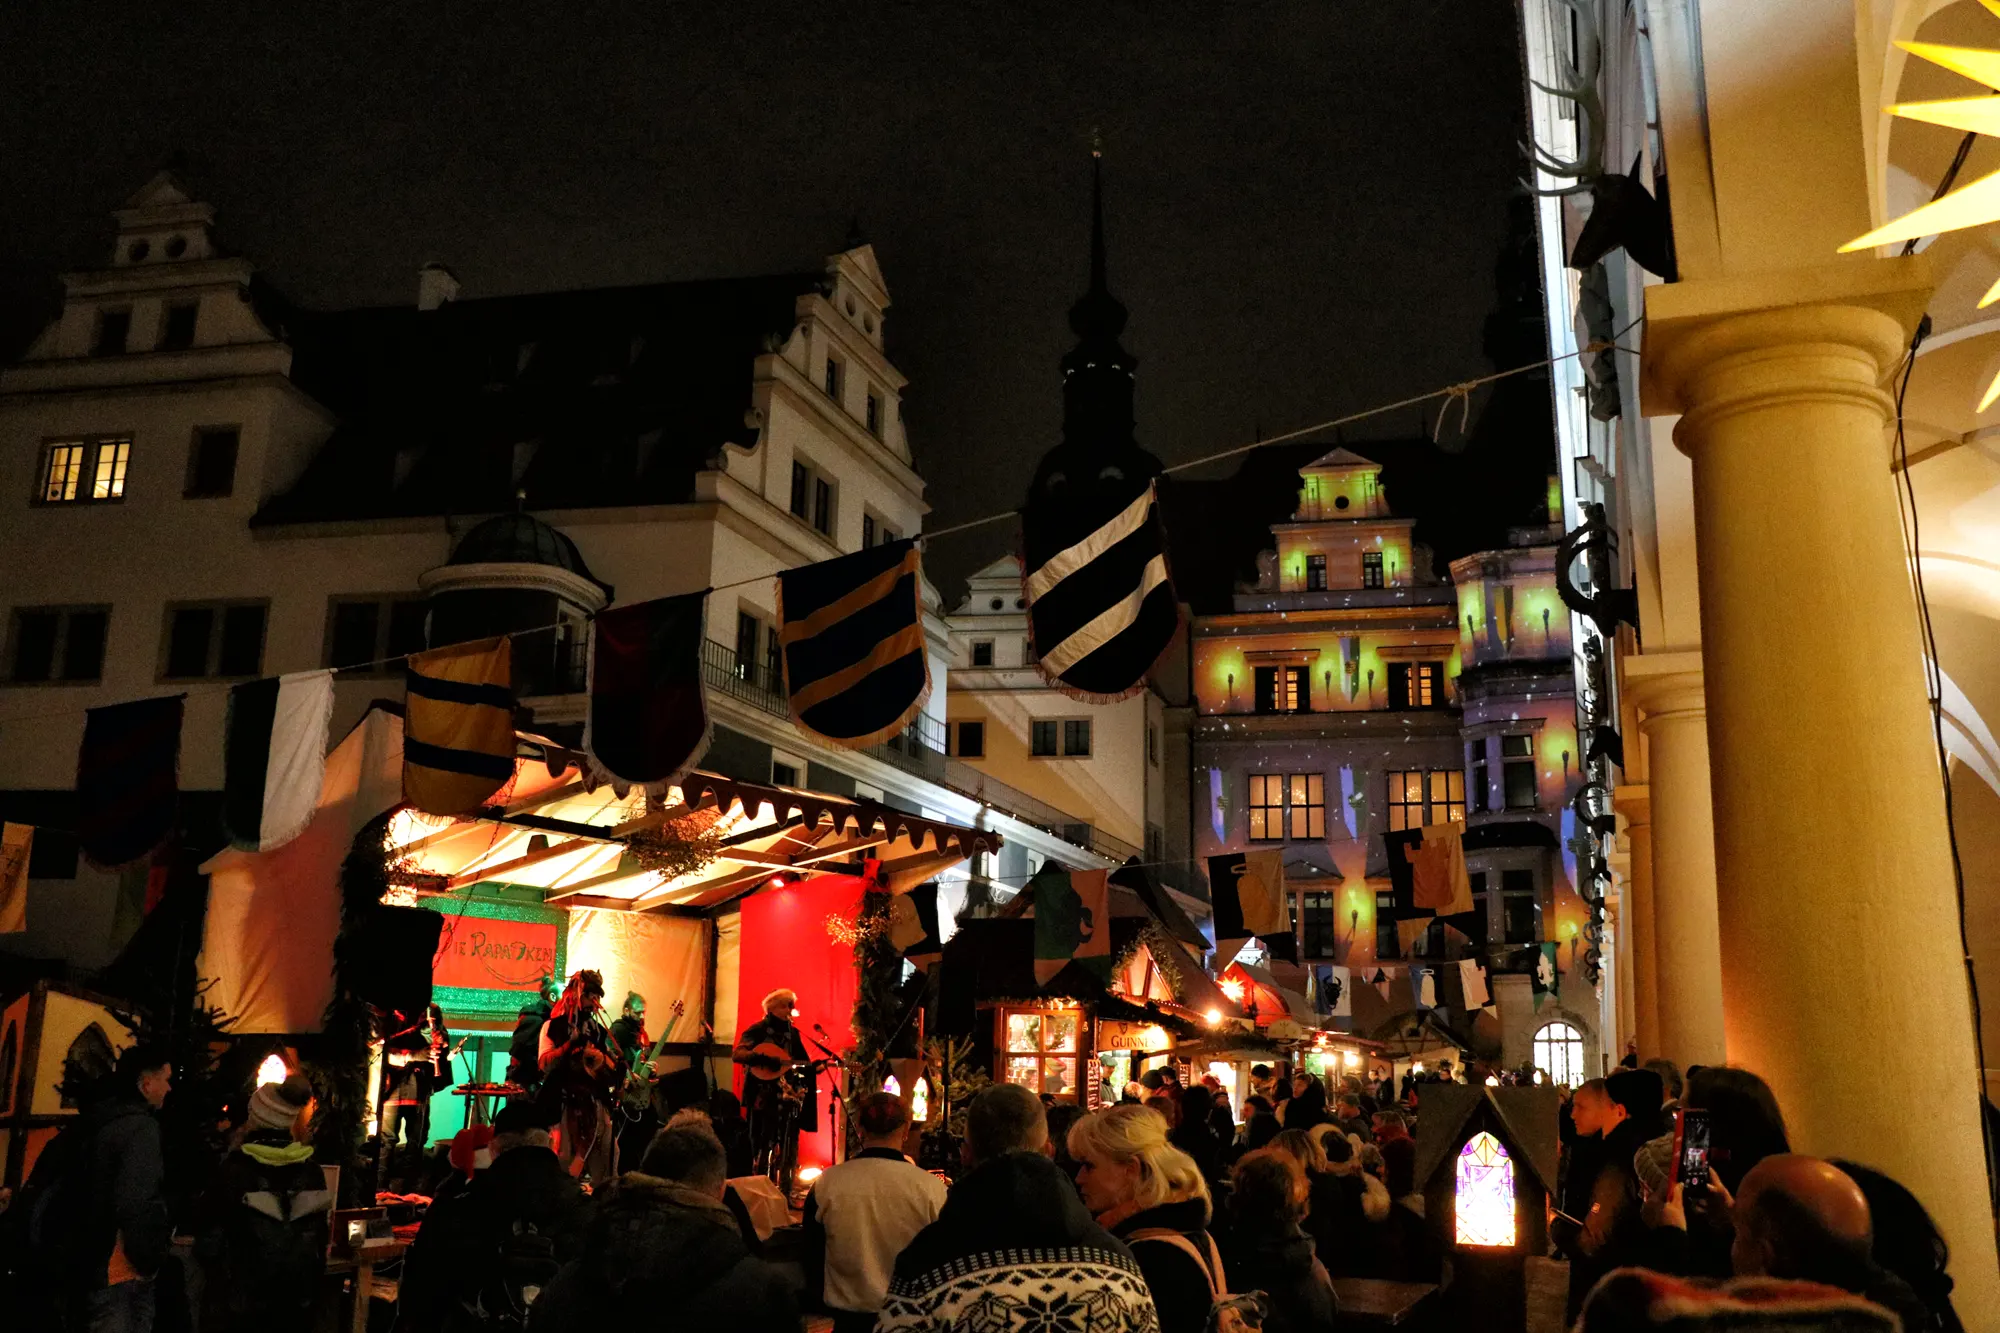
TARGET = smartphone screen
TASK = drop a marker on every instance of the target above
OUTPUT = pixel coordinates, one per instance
(1691, 1167)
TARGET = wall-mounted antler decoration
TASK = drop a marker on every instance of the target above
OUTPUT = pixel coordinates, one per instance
(1579, 86)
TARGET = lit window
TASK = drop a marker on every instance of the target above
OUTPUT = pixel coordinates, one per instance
(1558, 1052)
(1483, 1194)
(1416, 685)
(1267, 807)
(1418, 797)
(1041, 1050)
(1306, 794)
(75, 471)
(1283, 690)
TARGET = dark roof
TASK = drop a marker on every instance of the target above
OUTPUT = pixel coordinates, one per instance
(518, 539)
(601, 397)
(1526, 1116)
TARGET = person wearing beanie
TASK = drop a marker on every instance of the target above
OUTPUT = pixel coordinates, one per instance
(261, 1229)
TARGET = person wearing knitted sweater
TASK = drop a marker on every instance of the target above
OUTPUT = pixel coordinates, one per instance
(1013, 1247)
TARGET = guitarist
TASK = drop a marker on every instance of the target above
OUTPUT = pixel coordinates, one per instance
(638, 1116)
(582, 1070)
(778, 1109)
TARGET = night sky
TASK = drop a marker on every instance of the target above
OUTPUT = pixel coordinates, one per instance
(1304, 201)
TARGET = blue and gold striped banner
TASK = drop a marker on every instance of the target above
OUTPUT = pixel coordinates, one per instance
(853, 637)
(458, 728)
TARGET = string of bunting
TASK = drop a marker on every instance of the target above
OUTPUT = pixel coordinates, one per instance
(1101, 611)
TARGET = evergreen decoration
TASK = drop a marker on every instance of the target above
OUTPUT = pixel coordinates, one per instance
(677, 847)
(878, 1010)
(955, 1081)
(337, 1059)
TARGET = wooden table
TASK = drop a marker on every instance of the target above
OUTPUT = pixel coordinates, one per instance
(1371, 1300)
(362, 1263)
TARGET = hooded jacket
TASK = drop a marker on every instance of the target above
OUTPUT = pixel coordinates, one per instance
(660, 1249)
(1014, 1244)
(1279, 1262)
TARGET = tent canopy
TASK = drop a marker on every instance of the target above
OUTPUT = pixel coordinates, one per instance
(548, 830)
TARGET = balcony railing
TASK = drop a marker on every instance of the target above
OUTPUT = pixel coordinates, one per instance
(918, 748)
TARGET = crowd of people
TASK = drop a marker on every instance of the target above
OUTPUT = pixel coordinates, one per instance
(1165, 1210)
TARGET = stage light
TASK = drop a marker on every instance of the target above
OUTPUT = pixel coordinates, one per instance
(1215, 1018)
(1351, 1058)
(272, 1070)
(808, 1174)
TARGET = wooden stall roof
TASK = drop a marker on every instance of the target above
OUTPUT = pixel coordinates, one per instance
(549, 829)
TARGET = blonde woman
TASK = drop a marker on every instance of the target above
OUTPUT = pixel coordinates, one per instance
(1150, 1195)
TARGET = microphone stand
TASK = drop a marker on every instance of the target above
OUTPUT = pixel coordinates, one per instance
(833, 1062)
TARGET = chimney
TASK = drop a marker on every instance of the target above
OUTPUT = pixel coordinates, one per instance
(435, 286)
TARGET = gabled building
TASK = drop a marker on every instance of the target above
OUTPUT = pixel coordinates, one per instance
(1326, 712)
(204, 483)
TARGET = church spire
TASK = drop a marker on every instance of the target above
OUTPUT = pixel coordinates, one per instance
(1097, 372)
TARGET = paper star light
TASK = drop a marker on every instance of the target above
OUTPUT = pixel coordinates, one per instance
(1973, 205)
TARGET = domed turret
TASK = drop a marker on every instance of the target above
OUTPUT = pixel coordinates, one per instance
(515, 573)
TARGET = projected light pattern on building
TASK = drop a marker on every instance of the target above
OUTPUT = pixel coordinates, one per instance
(1484, 1197)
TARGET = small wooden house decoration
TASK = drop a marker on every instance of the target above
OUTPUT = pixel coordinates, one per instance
(1486, 1165)
(51, 1036)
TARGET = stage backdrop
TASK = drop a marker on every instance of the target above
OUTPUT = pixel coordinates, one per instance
(661, 957)
(784, 942)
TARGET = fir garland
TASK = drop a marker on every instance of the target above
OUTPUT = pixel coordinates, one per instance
(879, 964)
(337, 1060)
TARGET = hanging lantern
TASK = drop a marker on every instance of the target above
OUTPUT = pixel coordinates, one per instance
(272, 1070)
(892, 1087)
(920, 1102)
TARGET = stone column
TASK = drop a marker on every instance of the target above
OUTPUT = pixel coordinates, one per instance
(1667, 688)
(1637, 921)
(1839, 927)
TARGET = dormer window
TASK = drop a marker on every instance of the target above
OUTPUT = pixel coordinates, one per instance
(177, 328)
(114, 328)
(832, 380)
(873, 416)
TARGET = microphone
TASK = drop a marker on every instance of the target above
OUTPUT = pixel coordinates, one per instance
(822, 1031)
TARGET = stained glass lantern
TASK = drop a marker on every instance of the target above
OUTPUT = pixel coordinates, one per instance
(1483, 1194)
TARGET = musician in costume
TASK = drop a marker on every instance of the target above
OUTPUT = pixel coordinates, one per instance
(638, 1121)
(524, 1050)
(582, 1069)
(779, 1104)
(416, 1064)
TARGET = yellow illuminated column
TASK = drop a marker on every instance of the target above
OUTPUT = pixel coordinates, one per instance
(1667, 688)
(1636, 921)
(1839, 927)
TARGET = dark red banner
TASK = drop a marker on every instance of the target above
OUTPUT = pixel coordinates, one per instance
(477, 953)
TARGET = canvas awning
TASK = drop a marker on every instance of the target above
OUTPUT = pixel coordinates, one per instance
(546, 829)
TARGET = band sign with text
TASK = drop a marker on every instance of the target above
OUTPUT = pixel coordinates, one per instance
(475, 953)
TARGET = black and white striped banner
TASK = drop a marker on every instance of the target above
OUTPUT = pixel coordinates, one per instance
(1101, 608)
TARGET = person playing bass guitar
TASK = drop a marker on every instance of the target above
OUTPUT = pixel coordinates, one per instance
(777, 1102)
(582, 1070)
(638, 1111)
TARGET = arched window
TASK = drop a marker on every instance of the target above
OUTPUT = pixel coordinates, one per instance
(1483, 1195)
(1559, 1054)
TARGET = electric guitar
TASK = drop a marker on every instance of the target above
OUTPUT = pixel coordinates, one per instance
(638, 1092)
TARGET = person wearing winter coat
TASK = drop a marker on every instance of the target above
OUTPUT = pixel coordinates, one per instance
(1152, 1196)
(455, 1267)
(661, 1241)
(1013, 1245)
(1267, 1250)
(121, 1231)
(261, 1228)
